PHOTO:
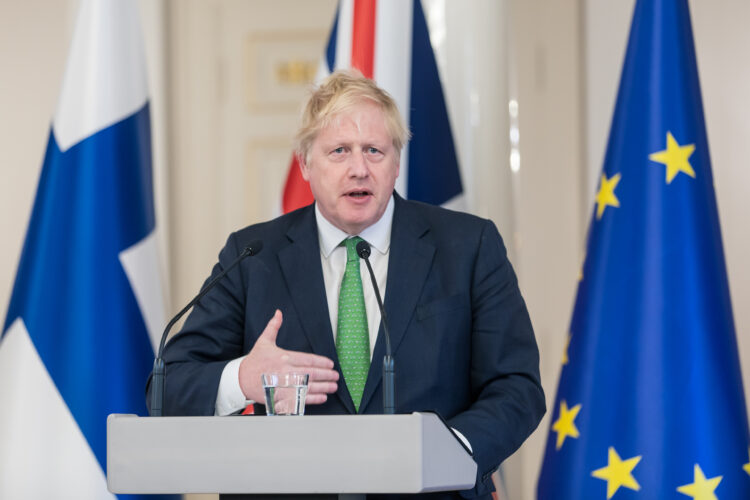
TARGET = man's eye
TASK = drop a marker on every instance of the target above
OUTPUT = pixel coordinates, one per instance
(373, 151)
(338, 150)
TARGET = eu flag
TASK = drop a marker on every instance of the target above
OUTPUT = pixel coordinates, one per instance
(650, 402)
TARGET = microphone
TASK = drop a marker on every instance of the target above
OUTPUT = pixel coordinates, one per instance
(389, 385)
(157, 380)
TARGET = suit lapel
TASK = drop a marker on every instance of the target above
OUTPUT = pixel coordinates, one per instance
(300, 265)
(409, 263)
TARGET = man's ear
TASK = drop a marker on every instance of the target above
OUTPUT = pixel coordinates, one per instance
(303, 166)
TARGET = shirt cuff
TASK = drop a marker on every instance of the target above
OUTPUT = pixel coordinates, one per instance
(463, 439)
(230, 397)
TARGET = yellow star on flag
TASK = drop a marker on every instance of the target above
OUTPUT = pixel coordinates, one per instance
(675, 157)
(746, 467)
(564, 426)
(565, 353)
(618, 473)
(701, 488)
(606, 195)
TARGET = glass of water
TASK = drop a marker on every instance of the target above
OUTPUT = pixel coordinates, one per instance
(285, 393)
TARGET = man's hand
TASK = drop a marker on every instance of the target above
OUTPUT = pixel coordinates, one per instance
(266, 357)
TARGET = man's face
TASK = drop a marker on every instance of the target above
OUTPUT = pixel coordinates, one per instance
(352, 168)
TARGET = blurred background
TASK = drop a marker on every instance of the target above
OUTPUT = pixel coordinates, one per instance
(530, 87)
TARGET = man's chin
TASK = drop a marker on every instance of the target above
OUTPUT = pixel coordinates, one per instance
(358, 223)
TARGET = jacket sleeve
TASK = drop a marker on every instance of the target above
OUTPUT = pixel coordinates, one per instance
(508, 400)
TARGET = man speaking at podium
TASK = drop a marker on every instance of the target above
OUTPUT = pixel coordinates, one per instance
(461, 337)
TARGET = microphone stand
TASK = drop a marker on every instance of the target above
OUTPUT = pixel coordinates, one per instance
(157, 379)
(389, 375)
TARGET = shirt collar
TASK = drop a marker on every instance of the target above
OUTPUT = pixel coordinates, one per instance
(377, 235)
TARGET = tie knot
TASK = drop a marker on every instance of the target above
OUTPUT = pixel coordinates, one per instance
(351, 248)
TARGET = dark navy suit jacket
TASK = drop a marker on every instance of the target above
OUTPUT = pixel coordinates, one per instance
(462, 340)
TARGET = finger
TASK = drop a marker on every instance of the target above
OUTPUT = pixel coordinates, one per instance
(272, 328)
(322, 375)
(307, 360)
(316, 399)
(322, 388)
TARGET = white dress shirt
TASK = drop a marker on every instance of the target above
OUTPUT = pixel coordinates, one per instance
(333, 260)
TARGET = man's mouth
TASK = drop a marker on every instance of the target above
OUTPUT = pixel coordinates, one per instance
(358, 194)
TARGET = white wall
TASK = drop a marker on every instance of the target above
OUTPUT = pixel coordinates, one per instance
(34, 39)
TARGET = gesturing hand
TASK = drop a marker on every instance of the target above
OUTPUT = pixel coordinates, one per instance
(266, 357)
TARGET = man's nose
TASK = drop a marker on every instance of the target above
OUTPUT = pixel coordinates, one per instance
(358, 166)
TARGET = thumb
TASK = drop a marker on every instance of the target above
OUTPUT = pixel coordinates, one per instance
(272, 328)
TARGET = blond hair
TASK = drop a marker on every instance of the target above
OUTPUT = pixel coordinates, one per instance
(338, 93)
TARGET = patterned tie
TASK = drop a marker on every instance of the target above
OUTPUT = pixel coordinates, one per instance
(352, 337)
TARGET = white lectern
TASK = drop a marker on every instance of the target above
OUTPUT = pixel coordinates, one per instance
(346, 454)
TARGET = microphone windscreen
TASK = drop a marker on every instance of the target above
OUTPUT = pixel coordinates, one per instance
(363, 249)
(254, 247)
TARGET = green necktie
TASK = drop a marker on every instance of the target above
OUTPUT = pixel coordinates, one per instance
(352, 337)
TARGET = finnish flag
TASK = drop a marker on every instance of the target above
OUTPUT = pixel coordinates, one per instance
(78, 339)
